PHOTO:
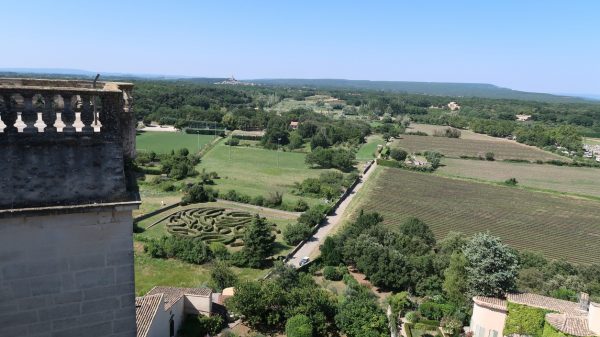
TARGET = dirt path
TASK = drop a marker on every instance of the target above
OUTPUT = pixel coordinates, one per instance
(311, 247)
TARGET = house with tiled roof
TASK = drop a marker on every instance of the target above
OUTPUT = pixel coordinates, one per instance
(161, 312)
(490, 314)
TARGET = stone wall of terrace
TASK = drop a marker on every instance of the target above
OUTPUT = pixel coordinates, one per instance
(64, 142)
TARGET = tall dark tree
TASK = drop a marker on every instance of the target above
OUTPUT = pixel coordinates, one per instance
(258, 242)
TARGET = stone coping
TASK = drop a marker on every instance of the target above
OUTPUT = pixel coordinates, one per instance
(81, 208)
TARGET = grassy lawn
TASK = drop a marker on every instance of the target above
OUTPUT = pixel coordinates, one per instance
(591, 141)
(456, 147)
(574, 180)
(255, 171)
(150, 272)
(367, 150)
(162, 142)
(559, 227)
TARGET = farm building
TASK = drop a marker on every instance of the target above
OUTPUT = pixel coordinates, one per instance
(294, 125)
(490, 314)
(453, 106)
(161, 312)
(523, 118)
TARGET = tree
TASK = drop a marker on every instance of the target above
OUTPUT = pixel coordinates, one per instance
(296, 140)
(492, 267)
(198, 193)
(398, 154)
(294, 233)
(258, 242)
(221, 276)
(433, 158)
(331, 251)
(489, 156)
(298, 326)
(359, 314)
(454, 279)
(415, 227)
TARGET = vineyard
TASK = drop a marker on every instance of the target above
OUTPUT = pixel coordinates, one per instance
(559, 227)
(456, 147)
(210, 224)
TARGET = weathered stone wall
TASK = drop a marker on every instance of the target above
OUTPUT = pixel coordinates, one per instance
(59, 169)
(67, 275)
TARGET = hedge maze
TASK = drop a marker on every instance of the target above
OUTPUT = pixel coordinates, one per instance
(210, 224)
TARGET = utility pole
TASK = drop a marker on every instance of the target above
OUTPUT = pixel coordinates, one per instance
(215, 129)
(278, 140)
(230, 145)
(198, 134)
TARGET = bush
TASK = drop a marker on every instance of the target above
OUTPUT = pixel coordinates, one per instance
(448, 132)
(412, 316)
(433, 158)
(313, 216)
(511, 182)
(274, 199)
(300, 206)
(524, 320)
(333, 273)
(331, 158)
(198, 193)
(489, 156)
(232, 142)
(187, 249)
(201, 325)
(293, 234)
(398, 154)
(436, 311)
(298, 326)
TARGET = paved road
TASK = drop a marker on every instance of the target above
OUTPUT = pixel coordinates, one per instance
(311, 247)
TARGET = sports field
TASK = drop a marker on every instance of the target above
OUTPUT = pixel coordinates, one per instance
(256, 171)
(163, 142)
(575, 180)
(367, 150)
(456, 147)
(559, 227)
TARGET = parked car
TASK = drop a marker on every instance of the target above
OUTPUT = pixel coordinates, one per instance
(304, 261)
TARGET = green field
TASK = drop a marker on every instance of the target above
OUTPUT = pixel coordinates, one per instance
(574, 180)
(150, 272)
(367, 150)
(254, 171)
(559, 227)
(456, 147)
(163, 142)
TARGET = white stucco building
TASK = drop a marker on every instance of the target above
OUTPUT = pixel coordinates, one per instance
(161, 312)
(577, 319)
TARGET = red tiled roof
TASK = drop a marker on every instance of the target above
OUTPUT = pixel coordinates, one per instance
(573, 325)
(145, 310)
(544, 302)
(172, 294)
(491, 302)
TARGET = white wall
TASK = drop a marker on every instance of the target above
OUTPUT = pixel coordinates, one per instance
(198, 305)
(484, 321)
(594, 318)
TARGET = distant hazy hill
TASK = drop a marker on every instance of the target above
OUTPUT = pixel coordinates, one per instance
(428, 88)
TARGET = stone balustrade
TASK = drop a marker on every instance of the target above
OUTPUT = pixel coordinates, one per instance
(64, 142)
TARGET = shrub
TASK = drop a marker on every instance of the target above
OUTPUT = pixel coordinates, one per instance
(436, 311)
(433, 158)
(201, 325)
(300, 206)
(298, 326)
(313, 216)
(489, 156)
(187, 249)
(198, 193)
(448, 132)
(332, 273)
(412, 316)
(232, 142)
(295, 233)
(417, 133)
(511, 182)
(274, 199)
(524, 320)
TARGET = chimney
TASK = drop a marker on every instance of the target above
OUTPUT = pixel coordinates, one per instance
(584, 301)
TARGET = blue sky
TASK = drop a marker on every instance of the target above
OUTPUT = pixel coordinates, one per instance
(546, 46)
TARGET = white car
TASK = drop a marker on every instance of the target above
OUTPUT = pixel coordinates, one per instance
(304, 261)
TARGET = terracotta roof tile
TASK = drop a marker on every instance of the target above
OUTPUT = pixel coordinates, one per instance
(491, 302)
(145, 310)
(172, 294)
(548, 303)
(573, 325)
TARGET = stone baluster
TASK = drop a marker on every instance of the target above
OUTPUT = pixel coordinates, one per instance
(29, 115)
(49, 115)
(9, 115)
(68, 115)
(87, 115)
